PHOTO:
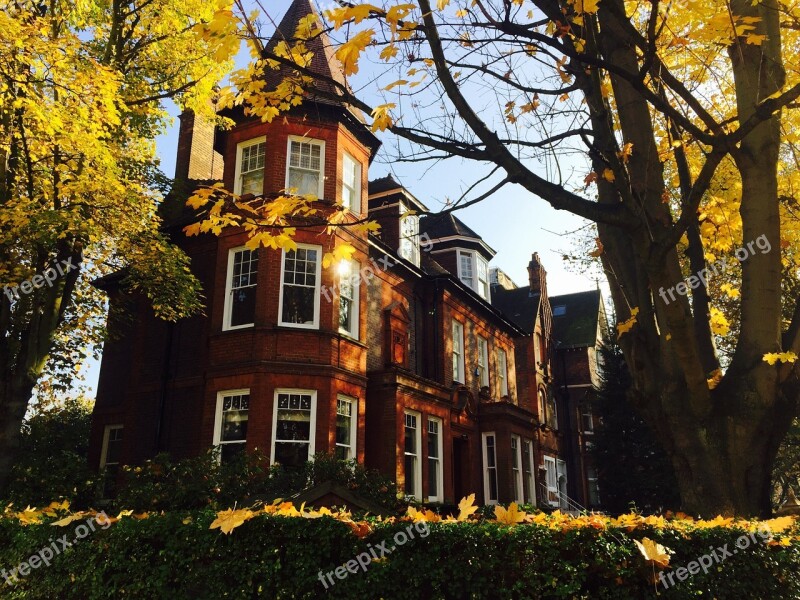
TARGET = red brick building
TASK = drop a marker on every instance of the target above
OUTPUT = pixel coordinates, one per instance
(399, 358)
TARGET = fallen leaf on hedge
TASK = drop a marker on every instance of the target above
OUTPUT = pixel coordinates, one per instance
(67, 520)
(466, 507)
(653, 551)
(510, 516)
(778, 524)
(361, 529)
(228, 520)
(29, 516)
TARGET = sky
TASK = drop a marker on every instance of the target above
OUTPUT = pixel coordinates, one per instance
(513, 222)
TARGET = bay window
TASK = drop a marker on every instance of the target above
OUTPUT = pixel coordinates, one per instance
(300, 287)
(230, 427)
(293, 427)
(489, 468)
(346, 418)
(305, 167)
(240, 288)
(435, 479)
(412, 464)
(250, 160)
(351, 183)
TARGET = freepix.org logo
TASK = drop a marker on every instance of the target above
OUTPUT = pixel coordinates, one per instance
(48, 277)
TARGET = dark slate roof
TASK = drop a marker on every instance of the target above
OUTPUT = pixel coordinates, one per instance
(384, 184)
(446, 225)
(323, 63)
(577, 327)
(519, 306)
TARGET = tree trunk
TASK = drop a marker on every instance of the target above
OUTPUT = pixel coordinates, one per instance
(16, 393)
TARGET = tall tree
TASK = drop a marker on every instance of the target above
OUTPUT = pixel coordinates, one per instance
(82, 92)
(684, 115)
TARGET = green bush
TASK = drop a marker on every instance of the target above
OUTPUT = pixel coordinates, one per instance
(177, 556)
(161, 484)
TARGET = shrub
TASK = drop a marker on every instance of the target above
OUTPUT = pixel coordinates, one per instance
(178, 556)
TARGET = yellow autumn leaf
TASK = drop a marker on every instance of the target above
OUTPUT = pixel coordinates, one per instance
(228, 520)
(626, 326)
(653, 551)
(466, 507)
(729, 290)
(772, 357)
(442, 4)
(599, 251)
(389, 52)
(381, 120)
(714, 380)
(349, 52)
(510, 516)
(608, 175)
(395, 84)
(67, 520)
(719, 324)
(778, 524)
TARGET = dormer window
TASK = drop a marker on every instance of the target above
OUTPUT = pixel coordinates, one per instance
(409, 235)
(250, 158)
(473, 271)
(304, 167)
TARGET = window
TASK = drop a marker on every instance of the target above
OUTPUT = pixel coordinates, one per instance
(109, 459)
(527, 467)
(483, 361)
(293, 427)
(299, 301)
(413, 470)
(489, 469)
(516, 469)
(552, 412)
(539, 350)
(240, 289)
(435, 483)
(594, 490)
(465, 269)
(346, 416)
(348, 297)
(473, 271)
(502, 371)
(542, 402)
(561, 473)
(586, 419)
(409, 235)
(351, 183)
(458, 352)
(560, 310)
(249, 177)
(230, 428)
(552, 480)
(304, 171)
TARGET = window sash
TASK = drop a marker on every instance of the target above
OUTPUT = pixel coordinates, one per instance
(490, 468)
(230, 430)
(346, 414)
(348, 297)
(251, 159)
(351, 183)
(483, 277)
(483, 361)
(242, 283)
(502, 371)
(527, 466)
(412, 465)
(304, 167)
(409, 236)
(300, 287)
(435, 479)
(293, 427)
(516, 469)
(466, 270)
(458, 352)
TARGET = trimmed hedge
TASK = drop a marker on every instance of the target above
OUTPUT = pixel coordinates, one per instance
(177, 556)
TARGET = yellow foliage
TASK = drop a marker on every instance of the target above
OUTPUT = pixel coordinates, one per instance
(773, 357)
(653, 552)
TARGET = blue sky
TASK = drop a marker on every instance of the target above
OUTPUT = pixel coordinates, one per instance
(513, 222)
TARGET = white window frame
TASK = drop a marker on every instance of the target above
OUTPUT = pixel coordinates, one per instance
(221, 395)
(352, 448)
(459, 368)
(551, 479)
(315, 324)
(483, 361)
(306, 140)
(346, 156)
(528, 470)
(478, 265)
(228, 302)
(409, 250)
(438, 497)
(353, 272)
(417, 474)
(312, 433)
(104, 464)
(587, 419)
(502, 371)
(516, 469)
(237, 181)
(561, 469)
(487, 499)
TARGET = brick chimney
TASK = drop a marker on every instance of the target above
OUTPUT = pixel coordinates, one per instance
(196, 157)
(537, 276)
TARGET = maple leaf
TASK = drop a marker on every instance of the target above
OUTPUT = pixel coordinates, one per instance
(778, 524)
(719, 324)
(510, 516)
(349, 52)
(626, 326)
(608, 175)
(381, 120)
(466, 507)
(590, 178)
(67, 520)
(772, 357)
(389, 52)
(715, 378)
(228, 520)
(599, 251)
(653, 552)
